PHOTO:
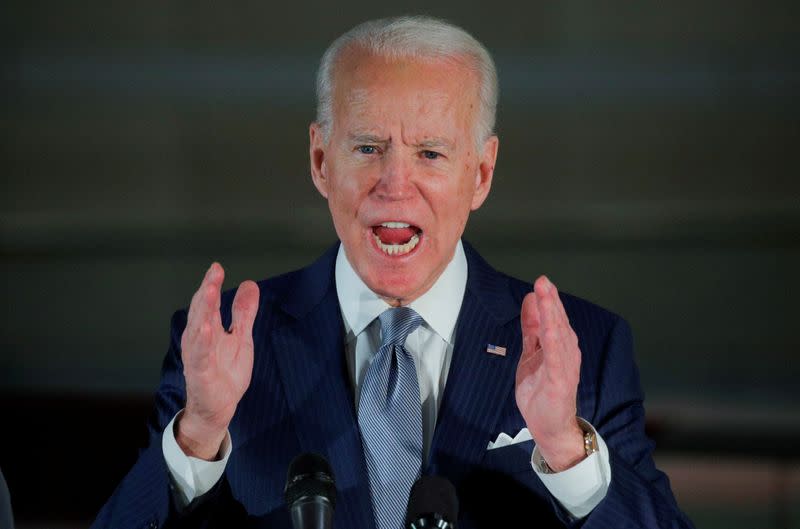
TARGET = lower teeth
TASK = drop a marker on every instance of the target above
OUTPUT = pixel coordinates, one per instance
(398, 249)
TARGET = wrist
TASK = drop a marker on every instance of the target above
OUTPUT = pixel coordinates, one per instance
(564, 451)
(197, 439)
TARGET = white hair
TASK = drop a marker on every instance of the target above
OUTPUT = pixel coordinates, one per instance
(412, 37)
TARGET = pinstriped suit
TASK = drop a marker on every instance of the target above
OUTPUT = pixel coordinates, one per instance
(300, 400)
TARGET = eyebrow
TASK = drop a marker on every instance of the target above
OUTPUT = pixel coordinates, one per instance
(435, 143)
(430, 143)
(367, 138)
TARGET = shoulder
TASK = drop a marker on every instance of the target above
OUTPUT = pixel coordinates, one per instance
(294, 292)
(584, 315)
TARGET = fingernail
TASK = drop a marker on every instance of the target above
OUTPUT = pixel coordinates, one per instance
(546, 285)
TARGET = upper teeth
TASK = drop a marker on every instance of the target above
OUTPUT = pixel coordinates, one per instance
(395, 225)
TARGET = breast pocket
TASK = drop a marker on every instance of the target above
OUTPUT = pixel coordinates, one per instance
(510, 459)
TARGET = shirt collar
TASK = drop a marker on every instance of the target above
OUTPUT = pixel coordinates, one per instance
(439, 306)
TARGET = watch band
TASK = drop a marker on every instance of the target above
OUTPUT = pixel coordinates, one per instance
(589, 444)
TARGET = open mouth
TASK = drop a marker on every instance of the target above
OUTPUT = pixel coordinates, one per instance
(396, 238)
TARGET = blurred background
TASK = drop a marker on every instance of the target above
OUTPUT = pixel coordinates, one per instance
(648, 162)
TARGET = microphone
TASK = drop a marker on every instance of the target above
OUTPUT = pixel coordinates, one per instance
(310, 492)
(432, 503)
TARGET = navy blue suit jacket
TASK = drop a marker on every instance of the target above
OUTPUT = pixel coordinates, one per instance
(300, 399)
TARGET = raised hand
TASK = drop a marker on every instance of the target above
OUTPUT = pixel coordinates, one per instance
(547, 377)
(217, 364)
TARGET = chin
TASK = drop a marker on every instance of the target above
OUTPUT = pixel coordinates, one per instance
(392, 276)
(393, 284)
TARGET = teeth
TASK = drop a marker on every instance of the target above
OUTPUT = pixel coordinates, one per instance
(395, 225)
(397, 249)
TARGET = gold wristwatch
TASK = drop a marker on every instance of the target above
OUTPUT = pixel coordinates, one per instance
(589, 444)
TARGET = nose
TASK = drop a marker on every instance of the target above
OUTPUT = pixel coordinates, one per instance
(395, 181)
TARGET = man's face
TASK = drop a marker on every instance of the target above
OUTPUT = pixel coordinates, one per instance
(400, 169)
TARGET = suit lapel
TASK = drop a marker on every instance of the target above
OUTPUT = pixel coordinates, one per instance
(479, 384)
(311, 361)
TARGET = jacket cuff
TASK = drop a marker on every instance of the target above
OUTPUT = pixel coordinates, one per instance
(191, 477)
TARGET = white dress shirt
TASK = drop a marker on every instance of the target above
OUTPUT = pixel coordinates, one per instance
(579, 489)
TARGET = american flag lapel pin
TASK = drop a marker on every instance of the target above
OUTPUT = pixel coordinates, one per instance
(496, 350)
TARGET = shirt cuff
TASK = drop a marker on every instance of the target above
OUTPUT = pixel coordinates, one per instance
(191, 476)
(579, 488)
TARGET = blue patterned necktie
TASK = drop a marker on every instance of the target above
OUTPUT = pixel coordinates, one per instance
(390, 418)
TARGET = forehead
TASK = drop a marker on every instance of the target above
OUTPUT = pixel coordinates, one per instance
(378, 91)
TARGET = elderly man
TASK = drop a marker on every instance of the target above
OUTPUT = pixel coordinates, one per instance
(399, 352)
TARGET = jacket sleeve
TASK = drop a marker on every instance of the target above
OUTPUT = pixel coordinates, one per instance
(639, 495)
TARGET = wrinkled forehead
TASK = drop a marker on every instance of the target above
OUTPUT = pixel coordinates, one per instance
(430, 86)
(361, 99)
(354, 55)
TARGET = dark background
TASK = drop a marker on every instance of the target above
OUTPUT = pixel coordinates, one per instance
(648, 162)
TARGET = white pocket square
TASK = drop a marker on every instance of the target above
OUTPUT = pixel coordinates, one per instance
(505, 440)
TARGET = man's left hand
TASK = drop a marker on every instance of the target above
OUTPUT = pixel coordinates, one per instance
(547, 377)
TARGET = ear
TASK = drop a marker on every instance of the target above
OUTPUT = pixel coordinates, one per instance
(316, 151)
(485, 172)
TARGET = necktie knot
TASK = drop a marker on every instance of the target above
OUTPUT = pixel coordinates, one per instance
(397, 324)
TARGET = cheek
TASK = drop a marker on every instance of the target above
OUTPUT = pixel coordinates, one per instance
(347, 193)
(342, 203)
(452, 213)
(466, 185)
(351, 175)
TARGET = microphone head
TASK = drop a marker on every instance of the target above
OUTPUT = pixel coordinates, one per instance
(309, 475)
(432, 497)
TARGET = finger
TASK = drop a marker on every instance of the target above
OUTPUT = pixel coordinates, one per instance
(205, 302)
(565, 358)
(551, 332)
(544, 296)
(245, 307)
(568, 338)
(558, 307)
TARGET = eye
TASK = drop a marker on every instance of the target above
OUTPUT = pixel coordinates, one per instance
(431, 155)
(367, 149)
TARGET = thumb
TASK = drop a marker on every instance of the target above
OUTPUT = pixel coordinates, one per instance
(529, 319)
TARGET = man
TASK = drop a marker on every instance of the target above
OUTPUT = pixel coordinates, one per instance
(400, 351)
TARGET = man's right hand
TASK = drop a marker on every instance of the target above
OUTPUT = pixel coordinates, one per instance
(217, 364)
